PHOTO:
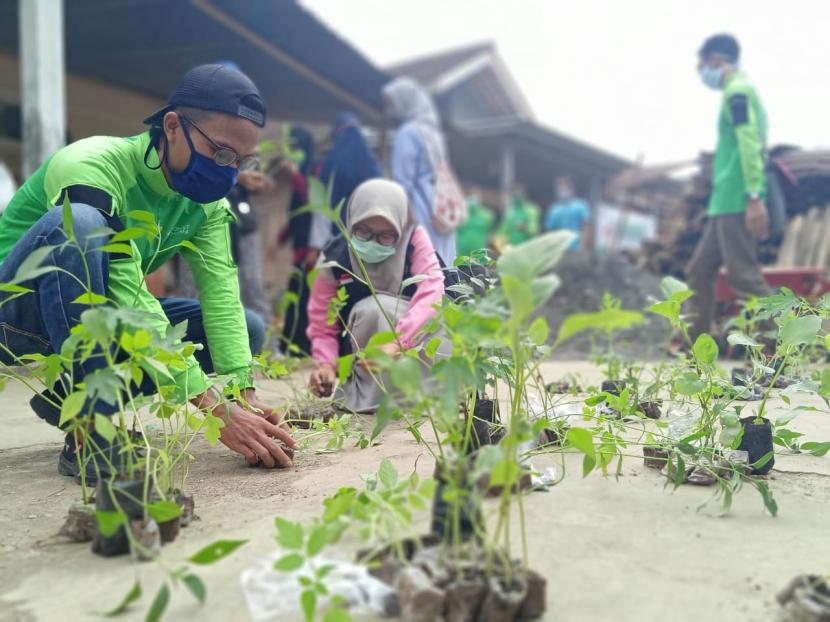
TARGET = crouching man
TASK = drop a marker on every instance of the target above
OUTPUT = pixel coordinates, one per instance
(179, 171)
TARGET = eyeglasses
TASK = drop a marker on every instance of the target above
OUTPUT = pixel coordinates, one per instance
(225, 156)
(384, 238)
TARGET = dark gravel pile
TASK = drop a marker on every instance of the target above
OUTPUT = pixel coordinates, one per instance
(584, 282)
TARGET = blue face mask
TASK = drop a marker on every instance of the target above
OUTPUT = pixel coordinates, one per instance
(371, 251)
(202, 180)
(713, 78)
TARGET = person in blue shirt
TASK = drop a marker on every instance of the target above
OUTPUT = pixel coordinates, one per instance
(569, 213)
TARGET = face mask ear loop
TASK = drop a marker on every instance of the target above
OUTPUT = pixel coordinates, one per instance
(156, 136)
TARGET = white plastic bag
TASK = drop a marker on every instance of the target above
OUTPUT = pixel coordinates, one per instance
(272, 595)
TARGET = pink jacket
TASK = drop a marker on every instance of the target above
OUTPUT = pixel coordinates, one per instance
(324, 337)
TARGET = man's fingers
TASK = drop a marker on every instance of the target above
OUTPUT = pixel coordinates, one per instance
(281, 434)
(263, 452)
(278, 455)
(250, 455)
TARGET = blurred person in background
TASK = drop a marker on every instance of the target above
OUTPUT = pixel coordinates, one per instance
(569, 213)
(391, 248)
(298, 231)
(521, 219)
(348, 164)
(475, 233)
(246, 243)
(737, 214)
(416, 150)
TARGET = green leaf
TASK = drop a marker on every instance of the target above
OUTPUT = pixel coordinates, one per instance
(538, 331)
(337, 615)
(71, 406)
(405, 374)
(141, 215)
(308, 601)
(104, 427)
(159, 605)
(740, 339)
(289, 534)
(133, 595)
(124, 249)
(689, 384)
(605, 320)
(387, 474)
(128, 234)
(766, 494)
(672, 287)
(163, 511)
(432, 347)
(90, 298)
(14, 289)
(581, 439)
(289, 563)
(413, 280)
(380, 339)
(196, 587)
(109, 521)
(801, 330)
(705, 350)
(519, 296)
(317, 540)
(817, 449)
(212, 427)
(66, 216)
(534, 257)
(216, 551)
(345, 365)
(31, 268)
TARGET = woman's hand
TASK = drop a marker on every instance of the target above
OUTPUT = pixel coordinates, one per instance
(322, 380)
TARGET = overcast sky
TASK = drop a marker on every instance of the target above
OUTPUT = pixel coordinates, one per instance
(619, 73)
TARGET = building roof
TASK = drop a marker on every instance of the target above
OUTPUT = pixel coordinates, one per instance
(478, 68)
(303, 69)
(541, 154)
(427, 69)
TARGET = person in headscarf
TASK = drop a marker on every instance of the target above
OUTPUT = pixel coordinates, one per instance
(416, 150)
(349, 163)
(387, 248)
(295, 320)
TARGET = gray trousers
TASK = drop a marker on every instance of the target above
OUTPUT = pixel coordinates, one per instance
(362, 392)
(725, 241)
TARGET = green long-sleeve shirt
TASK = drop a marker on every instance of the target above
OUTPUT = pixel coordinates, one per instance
(521, 221)
(740, 157)
(115, 166)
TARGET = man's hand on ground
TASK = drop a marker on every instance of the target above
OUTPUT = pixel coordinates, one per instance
(757, 218)
(322, 380)
(248, 434)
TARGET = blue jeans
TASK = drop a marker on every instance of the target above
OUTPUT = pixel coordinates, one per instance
(39, 322)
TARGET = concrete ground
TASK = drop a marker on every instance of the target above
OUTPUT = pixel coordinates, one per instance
(627, 549)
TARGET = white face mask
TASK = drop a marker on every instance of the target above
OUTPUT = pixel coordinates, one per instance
(711, 76)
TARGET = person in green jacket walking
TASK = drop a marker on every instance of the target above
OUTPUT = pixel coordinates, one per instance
(521, 220)
(737, 214)
(179, 172)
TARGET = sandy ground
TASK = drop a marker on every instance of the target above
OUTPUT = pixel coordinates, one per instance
(627, 549)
